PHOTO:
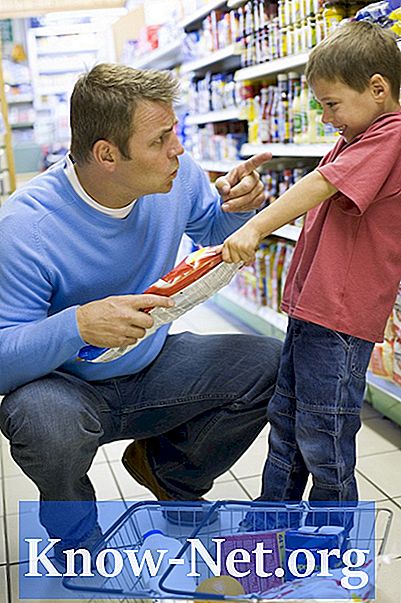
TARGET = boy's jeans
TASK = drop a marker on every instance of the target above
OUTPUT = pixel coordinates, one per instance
(201, 404)
(314, 415)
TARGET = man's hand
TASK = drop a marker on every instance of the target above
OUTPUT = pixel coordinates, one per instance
(118, 320)
(241, 189)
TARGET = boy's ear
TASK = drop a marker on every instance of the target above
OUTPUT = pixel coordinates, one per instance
(379, 86)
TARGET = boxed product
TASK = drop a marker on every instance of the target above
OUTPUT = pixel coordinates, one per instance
(200, 275)
(273, 557)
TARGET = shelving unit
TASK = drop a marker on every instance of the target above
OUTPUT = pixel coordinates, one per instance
(214, 116)
(229, 55)
(287, 150)
(162, 58)
(285, 64)
(191, 21)
(58, 54)
(7, 167)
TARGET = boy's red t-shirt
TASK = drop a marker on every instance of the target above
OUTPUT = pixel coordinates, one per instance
(346, 267)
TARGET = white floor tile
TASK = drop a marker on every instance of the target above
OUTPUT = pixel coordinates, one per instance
(252, 461)
(10, 467)
(2, 542)
(203, 319)
(384, 471)
(103, 481)
(393, 544)
(114, 451)
(378, 435)
(252, 485)
(3, 585)
(60, 595)
(129, 487)
(227, 491)
(388, 584)
(19, 487)
(13, 533)
(368, 412)
(1, 499)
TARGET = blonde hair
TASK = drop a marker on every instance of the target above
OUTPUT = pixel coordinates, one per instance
(103, 105)
(353, 53)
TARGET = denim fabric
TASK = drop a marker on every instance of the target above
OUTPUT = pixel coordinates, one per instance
(200, 404)
(315, 415)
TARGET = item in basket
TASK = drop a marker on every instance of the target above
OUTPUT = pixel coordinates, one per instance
(313, 539)
(200, 275)
(273, 561)
(219, 585)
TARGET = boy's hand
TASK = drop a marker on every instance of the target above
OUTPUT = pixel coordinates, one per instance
(241, 189)
(242, 245)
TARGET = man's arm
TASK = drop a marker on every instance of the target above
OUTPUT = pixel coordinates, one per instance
(306, 194)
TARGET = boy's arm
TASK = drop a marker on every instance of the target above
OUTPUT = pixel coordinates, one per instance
(306, 194)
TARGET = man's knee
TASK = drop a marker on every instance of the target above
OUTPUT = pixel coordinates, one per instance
(47, 413)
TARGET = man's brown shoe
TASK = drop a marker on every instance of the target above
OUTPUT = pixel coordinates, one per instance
(135, 461)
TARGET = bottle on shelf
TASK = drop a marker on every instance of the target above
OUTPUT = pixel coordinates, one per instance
(283, 109)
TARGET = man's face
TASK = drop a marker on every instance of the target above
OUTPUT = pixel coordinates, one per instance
(349, 111)
(154, 150)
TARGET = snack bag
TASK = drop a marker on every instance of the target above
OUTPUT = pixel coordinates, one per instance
(200, 275)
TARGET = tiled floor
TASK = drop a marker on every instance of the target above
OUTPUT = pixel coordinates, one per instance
(378, 472)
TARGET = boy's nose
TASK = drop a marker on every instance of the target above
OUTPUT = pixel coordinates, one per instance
(325, 117)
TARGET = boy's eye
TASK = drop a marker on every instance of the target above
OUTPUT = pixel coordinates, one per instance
(331, 105)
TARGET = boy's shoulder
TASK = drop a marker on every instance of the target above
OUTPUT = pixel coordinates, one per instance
(387, 120)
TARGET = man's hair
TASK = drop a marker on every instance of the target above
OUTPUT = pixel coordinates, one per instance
(103, 104)
(353, 53)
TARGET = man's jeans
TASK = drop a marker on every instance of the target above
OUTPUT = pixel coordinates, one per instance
(200, 404)
(315, 415)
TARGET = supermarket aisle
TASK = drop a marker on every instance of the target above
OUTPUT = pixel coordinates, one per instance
(378, 465)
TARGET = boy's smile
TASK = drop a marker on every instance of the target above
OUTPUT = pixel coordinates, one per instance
(349, 111)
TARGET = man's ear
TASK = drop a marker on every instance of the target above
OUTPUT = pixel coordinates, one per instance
(380, 87)
(105, 154)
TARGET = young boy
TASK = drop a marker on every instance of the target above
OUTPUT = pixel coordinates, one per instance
(346, 267)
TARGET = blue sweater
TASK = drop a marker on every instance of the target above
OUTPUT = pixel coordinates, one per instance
(57, 252)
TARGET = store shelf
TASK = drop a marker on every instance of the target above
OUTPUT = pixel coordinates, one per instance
(384, 396)
(161, 58)
(217, 165)
(66, 50)
(235, 3)
(23, 124)
(287, 150)
(192, 20)
(270, 67)
(289, 232)
(19, 98)
(229, 52)
(262, 319)
(213, 116)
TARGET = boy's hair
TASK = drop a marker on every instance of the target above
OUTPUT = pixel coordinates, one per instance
(103, 104)
(353, 53)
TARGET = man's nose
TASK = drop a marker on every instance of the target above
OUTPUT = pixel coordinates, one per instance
(176, 148)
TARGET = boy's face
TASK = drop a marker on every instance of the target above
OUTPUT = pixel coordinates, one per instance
(349, 111)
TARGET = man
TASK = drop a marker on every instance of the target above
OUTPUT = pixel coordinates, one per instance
(79, 244)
